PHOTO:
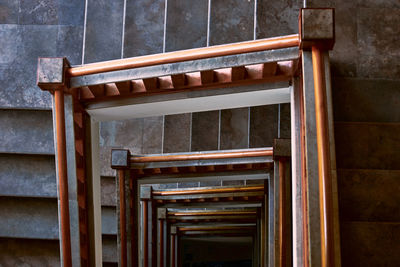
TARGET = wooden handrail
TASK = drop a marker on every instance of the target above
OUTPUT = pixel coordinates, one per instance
(324, 167)
(212, 213)
(214, 228)
(208, 191)
(186, 55)
(203, 156)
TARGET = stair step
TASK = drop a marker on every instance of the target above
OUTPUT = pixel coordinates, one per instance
(29, 252)
(366, 100)
(26, 131)
(369, 195)
(110, 251)
(370, 244)
(367, 145)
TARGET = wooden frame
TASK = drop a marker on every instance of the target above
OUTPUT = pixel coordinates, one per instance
(109, 91)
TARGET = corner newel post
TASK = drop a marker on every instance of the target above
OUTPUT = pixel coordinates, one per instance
(145, 198)
(174, 245)
(162, 217)
(51, 76)
(283, 248)
(317, 34)
(120, 162)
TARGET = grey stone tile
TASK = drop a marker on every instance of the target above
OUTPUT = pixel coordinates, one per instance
(284, 117)
(144, 27)
(379, 3)
(186, 24)
(369, 195)
(376, 244)
(210, 183)
(367, 145)
(378, 38)
(103, 30)
(234, 128)
(343, 62)
(177, 133)
(110, 250)
(27, 176)
(255, 182)
(263, 125)
(366, 100)
(231, 21)
(277, 18)
(71, 12)
(30, 218)
(9, 11)
(108, 191)
(126, 134)
(10, 39)
(35, 128)
(38, 12)
(233, 183)
(69, 43)
(188, 184)
(152, 135)
(164, 186)
(29, 252)
(108, 221)
(23, 91)
(205, 127)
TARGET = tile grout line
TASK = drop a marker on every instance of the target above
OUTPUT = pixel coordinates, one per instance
(123, 30)
(279, 120)
(165, 24)
(248, 127)
(163, 50)
(84, 33)
(255, 20)
(162, 134)
(190, 131)
(219, 129)
(208, 22)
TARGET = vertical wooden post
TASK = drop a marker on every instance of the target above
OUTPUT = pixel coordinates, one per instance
(282, 212)
(122, 217)
(161, 214)
(324, 168)
(145, 196)
(63, 177)
(173, 246)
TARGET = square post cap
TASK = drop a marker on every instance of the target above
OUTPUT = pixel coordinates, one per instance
(119, 158)
(145, 192)
(51, 73)
(317, 28)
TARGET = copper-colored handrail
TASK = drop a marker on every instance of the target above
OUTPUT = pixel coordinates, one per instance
(212, 213)
(214, 228)
(63, 178)
(324, 168)
(186, 55)
(204, 156)
(209, 191)
(122, 216)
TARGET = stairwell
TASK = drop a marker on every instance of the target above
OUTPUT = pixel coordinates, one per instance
(367, 135)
